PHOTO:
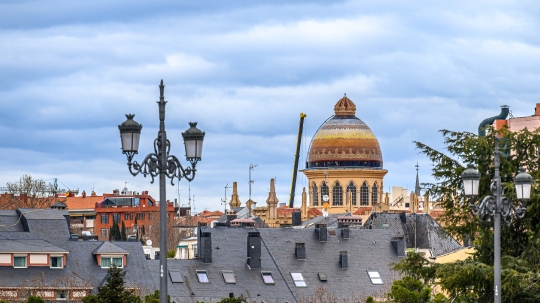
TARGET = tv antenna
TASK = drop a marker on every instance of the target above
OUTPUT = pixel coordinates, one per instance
(224, 200)
(251, 167)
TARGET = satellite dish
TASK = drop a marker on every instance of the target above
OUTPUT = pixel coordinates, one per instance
(325, 198)
(149, 242)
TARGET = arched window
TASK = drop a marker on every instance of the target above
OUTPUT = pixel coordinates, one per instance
(364, 194)
(374, 194)
(324, 192)
(337, 194)
(315, 195)
(351, 188)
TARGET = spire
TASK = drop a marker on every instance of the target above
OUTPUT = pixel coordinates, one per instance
(272, 200)
(161, 89)
(345, 107)
(303, 207)
(235, 200)
(417, 187)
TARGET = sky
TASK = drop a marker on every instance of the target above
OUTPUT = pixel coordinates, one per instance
(245, 70)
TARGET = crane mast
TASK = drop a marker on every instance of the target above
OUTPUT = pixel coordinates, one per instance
(296, 157)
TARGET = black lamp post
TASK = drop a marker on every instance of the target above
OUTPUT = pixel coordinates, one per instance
(497, 205)
(166, 166)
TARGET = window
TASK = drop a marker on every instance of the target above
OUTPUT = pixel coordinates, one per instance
(105, 219)
(375, 277)
(106, 262)
(351, 188)
(315, 195)
(267, 277)
(229, 276)
(324, 190)
(374, 194)
(176, 276)
(56, 262)
(105, 232)
(149, 216)
(116, 217)
(322, 277)
(19, 262)
(202, 275)
(61, 294)
(140, 216)
(126, 217)
(131, 216)
(337, 194)
(364, 194)
(298, 279)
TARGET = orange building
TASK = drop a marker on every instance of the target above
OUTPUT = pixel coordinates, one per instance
(96, 214)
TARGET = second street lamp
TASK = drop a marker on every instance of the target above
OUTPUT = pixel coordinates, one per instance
(166, 166)
(497, 206)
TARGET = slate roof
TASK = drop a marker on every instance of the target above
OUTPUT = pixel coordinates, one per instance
(9, 221)
(11, 246)
(331, 221)
(51, 233)
(419, 230)
(367, 249)
(228, 253)
(108, 248)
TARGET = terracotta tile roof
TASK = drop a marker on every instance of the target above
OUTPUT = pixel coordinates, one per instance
(285, 211)
(207, 213)
(193, 221)
(74, 203)
(362, 211)
(314, 212)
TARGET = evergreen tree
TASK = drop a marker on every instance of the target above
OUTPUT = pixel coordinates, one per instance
(123, 234)
(471, 280)
(114, 290)
(111, 235)
(136, 228)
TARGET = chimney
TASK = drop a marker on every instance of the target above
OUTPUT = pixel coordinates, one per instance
(300, 251)
(199, 252)
(296, 218)
(230, 216)
(537, 110)
(321, 232)
(343, 260)
(399, 246)
(84, 194)
(206, 249)
(254, 250)
(345, 231)
(156, 255)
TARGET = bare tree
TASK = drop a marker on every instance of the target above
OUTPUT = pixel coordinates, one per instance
(27, 193)
(174, 234)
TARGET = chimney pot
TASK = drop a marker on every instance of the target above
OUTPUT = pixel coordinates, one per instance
(343, 260)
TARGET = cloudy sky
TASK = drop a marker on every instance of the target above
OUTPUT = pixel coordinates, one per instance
(70, 70)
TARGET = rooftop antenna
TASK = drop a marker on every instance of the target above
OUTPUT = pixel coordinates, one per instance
(189, 196)
(124, 191)
(224, 200)
(251, 167)
(178, 190)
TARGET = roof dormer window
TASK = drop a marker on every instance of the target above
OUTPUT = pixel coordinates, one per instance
(107, 262)
(19, 261)
(56, 262)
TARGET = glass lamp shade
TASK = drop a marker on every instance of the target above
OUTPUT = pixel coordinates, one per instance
(523, 183)
(471, 180)
(130, 132)
(193, 141)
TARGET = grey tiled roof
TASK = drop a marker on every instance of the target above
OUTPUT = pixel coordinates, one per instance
(367, 249)
(331, 220)
(419, 231)
(109, 248)
(9, 221)
(81, 270)
(10, 246)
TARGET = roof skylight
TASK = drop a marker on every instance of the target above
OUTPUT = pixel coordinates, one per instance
(176, 276)
(229, 276)
(267, 277)
(298, 279)
(202, 275)
(375, 277)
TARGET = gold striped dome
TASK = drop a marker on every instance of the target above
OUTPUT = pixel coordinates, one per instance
(344, 141)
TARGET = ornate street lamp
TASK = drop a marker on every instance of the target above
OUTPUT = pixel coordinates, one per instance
(166, 166)
(497, 205)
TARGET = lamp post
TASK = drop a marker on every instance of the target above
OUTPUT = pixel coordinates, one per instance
(497, 205)
(166, 166)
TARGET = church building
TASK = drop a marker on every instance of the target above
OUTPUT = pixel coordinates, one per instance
(345, 164)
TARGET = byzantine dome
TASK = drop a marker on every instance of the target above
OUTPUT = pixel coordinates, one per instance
(344, 141)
